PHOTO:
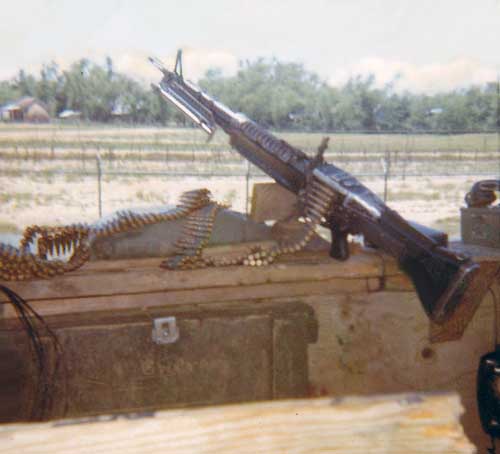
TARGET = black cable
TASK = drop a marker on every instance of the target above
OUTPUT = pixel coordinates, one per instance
(493, 448)
(495, 318)
(27, 316)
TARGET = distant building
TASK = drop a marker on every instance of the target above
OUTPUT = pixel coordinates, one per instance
(121, 112)
(27, 109)
(69, 114)
(436, 111)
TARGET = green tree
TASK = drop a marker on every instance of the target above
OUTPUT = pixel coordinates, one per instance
(8, 92)
(276, 94)
(25, 84)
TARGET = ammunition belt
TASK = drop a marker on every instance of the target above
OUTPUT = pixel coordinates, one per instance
(73, 241)
(52, 243)
(317, 202)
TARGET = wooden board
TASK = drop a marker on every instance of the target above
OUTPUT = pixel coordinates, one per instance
(373, 338)
(379, 343)
(390, 424)
(203, 296)
(271, 202)
(142, 283)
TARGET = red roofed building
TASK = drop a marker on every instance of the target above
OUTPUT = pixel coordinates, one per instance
(27, 109)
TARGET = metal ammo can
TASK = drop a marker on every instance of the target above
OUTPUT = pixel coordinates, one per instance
(480, 221)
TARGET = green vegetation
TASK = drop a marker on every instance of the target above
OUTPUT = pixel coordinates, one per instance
(17, 197)
(8, 227)
(59, 142)
(54, 149)
(277, 95)
(230, 197)
(450, 224)
(95, 91)
(402, 195)
(150, 196)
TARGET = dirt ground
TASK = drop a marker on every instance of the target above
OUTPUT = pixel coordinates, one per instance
(58, 200)
(32, 191)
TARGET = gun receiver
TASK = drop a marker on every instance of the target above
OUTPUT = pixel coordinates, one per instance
(332, 197)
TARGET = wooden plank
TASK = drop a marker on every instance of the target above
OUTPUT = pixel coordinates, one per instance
(271, 202)
(112, 280)
(291, 290)
(399, 283)
(379, 343)
(144, 275)
(305, 256)
(389, 424)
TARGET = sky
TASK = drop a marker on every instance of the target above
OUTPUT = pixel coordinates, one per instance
(424, 46)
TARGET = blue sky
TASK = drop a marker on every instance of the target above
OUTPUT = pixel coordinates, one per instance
(432, 45)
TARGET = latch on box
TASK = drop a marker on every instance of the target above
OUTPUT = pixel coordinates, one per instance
(165, 330)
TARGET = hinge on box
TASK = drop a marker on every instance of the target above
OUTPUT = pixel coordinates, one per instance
(165, 330)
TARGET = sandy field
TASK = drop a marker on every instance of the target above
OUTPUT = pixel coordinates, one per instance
(60, 200)
(48, 173)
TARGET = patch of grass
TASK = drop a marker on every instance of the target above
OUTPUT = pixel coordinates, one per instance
(19, 198)
(145, 196)
(402, 195)
(46, 199)
(12, 173)
(72, 178)
(5, 198)
(47, 175)
(399, 196)
(450, 224)
(435, 195)
(445, 187)
(230, 197)
(8, 227)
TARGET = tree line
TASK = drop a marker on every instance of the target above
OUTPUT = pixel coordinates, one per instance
(277, 95)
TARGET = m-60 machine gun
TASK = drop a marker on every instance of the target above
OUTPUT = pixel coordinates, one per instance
(331, 197)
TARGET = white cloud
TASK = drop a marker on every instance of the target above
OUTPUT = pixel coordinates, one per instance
(135, 64)
(195, 63)
(426, 78)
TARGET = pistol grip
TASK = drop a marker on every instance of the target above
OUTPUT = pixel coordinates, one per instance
(339, 248)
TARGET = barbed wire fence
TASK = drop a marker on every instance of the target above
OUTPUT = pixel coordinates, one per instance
(252, 173)
(113, 153)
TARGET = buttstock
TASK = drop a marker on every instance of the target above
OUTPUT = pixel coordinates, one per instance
(440, 283)
(440, 276)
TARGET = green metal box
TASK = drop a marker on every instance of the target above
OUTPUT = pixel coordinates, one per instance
(481, 226)
(116, 362)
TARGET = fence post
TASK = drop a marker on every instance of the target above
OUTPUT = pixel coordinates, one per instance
(405, 155)
(247, 193)
(386, 164)
(99, 185)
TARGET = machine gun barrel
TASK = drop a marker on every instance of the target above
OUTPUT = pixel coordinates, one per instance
(440, 276)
